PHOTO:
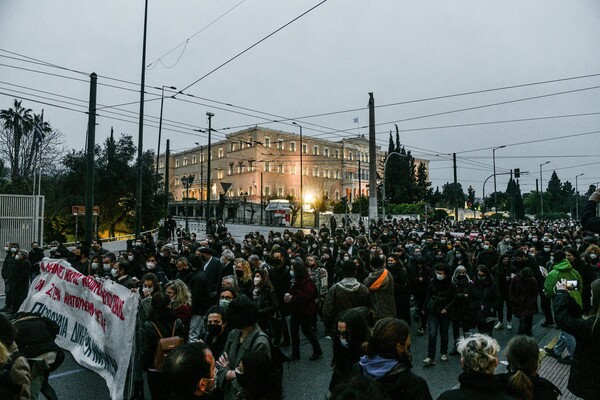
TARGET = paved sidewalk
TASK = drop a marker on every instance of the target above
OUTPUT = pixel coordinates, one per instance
(552, 370)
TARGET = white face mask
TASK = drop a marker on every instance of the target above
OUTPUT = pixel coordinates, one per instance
(13, 249)
(439, 277)
(593, 256)
(256, 281)
(150, 265)
(95, 266)
(146, 290)
(106, 267)
(53, 248)
(344, 343)
(6, 248)
(18, 257)
(130, 258)
(161, 254)
(113, 272)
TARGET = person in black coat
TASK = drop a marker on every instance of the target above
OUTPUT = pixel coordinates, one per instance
(265, 299)
(200, 290)
(583, 379)
(212, 267)
(162, 324)
(35, 256)
(479, 359)
(421, 275)
(352, 331)
(401, 287)
(483, 300)
(20, 279)
(388, 361)
(440, 297)
(589, 220)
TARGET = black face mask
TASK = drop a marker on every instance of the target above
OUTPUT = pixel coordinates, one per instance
(214, 330)
(239, 273)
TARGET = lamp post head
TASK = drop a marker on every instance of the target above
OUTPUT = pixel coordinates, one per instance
(209, 114)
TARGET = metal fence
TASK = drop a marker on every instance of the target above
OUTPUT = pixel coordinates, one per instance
(20, 220)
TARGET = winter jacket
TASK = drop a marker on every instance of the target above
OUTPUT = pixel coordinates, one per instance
(483, 299)
(460, 307)
(474, 385)
(583, 379)
(563, 270)
(440, 296)
(589, 221)
(543, 389)
(304, 294)
(347, 293)
(381, 288)
(200, 290)
(522, 294)
(399, 382)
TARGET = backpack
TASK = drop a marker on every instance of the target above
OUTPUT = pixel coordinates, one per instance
(165, 346)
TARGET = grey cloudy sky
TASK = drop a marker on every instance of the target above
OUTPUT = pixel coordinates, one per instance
(327, 61)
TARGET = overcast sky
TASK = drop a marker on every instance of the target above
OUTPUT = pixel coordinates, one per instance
(324, 63)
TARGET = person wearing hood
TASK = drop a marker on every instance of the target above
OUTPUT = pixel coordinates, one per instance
(347, 293)
(388, 361)
(352, 332)
(460, 307)
(562, 269)
(440, 298)
(479, 359)
(381, 289)
(483, 300)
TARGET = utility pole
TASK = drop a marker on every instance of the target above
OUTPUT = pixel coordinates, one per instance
(208, 171)
(261, 196)
(140, 165)
(89, 161)
(360, 190)
(455, 188)
(512, 196)
(372, 162)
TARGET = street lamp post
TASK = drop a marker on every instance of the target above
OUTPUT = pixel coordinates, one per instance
(245, 197)
(383, 181)
(208, 172)
(162, 100)
(187, 181)
(542, 190)
(577, 196)
(301, 169)
(495, 190)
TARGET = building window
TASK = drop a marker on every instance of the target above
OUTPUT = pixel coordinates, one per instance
(292, 191)
(305, 170)
(185, 161)
(327, 173)
(293, 169)
(202, 157)
(350, 156)
(280, 168)
(266, 191)
(280, 191)
(232, 146)
(161, 164)
(315, 150)
(230, 170)
(267, 142)
(292, 146)
(176, 163)
(250, 166)
(304, 148)
(194, 159)
(249, 144)
(336, 153)
(337, 174)
(337, 195)
(280, 144)
(219, 174)
(315, 171)
(250, 190)
(267, 166)
(326, 151)
(221, 152)
(326, 194)
(211, 155)
(240, 167)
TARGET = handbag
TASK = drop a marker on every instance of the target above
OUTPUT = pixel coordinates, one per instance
(165, 346)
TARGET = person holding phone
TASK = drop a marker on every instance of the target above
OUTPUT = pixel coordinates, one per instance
(562, 270)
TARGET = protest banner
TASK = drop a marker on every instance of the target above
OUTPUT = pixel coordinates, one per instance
(96, 318)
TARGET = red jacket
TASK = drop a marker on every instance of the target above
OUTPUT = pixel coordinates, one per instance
(304, 294)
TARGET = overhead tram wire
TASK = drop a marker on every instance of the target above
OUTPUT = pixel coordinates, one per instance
(253, 45)
(185, 42)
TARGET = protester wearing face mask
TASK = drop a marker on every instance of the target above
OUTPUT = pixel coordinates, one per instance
(190, 372)
(352, 332)
(105, 268)
(421, 275)
(483, 300)
(388, 361)
(265, 299)
(217, 330)
(243, 276)
(460, 308)
(8, 268)
(281, 279)
(20, 279)
(440, 297)
(226, 296)
(120, 274)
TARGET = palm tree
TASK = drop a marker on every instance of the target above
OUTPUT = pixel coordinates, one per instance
(19, 121)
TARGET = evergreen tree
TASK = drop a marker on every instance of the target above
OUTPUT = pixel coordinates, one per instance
(391, 145)
(590, 190)
(397, 138)
(423, 186)
(448, 195)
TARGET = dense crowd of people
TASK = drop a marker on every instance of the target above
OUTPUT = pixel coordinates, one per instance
(365, 285)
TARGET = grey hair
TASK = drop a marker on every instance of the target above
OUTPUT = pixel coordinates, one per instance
(182, 260)
(228, 254)
(479, 353)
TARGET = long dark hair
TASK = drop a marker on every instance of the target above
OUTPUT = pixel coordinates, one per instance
(357, 329)
(300, 271)
(161, 308)
(386, 335)
(522, 353)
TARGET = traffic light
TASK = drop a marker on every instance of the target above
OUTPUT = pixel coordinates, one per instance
(517, 173)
